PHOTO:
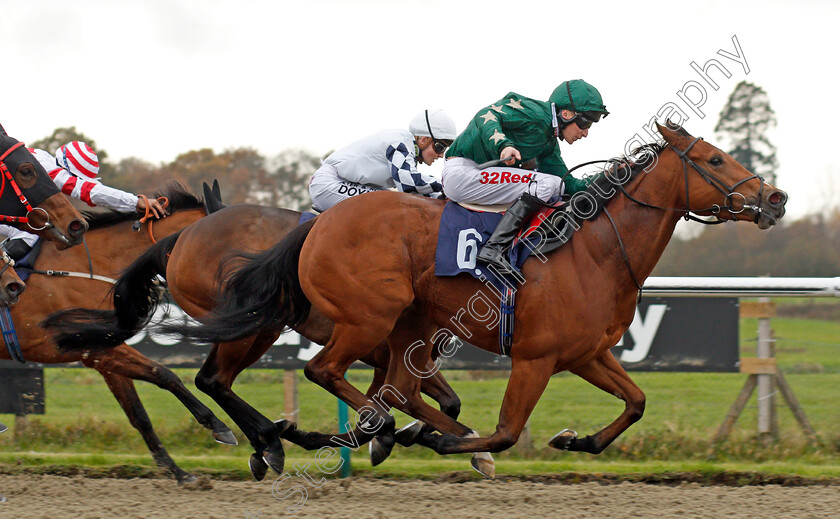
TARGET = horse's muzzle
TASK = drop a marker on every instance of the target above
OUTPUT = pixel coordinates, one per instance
(771, 208)
(11, 292)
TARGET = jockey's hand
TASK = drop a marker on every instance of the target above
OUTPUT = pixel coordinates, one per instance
(154, 207)
(510, 153)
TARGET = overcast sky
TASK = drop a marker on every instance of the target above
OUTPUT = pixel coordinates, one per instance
(152, 79)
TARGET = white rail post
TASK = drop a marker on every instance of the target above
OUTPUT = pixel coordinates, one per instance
(767, 428)
(290, 395)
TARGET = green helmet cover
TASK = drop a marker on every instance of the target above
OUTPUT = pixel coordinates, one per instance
(584, 97)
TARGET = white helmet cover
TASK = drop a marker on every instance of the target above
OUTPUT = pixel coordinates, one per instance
(433, 123)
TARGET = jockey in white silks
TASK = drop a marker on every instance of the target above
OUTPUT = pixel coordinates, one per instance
(74, 169)
(385, 160)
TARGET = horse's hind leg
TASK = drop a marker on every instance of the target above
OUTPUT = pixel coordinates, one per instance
(327, 368)
(128, 362)
(215, 378)
(125, 393)
(605, 373)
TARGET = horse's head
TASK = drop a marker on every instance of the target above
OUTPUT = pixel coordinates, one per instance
(29, 198)
(716, 184)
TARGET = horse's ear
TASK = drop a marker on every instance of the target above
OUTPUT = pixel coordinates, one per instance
(211, 203)
(217, 191)
(672, 133)
(2, 131)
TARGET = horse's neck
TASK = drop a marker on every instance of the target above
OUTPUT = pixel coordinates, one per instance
(644, 232)
(114, 247)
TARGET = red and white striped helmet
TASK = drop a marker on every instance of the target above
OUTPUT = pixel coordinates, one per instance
(79, 159)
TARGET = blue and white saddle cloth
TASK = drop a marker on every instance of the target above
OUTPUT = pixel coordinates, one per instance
(460, 235)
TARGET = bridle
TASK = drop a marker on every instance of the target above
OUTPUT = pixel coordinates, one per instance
(728, 191)
(8, 262)
(7, 176)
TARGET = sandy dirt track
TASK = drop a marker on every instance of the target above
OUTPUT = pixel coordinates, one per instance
(79, 497)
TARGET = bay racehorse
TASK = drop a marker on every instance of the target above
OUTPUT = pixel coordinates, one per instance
(113, 245)
(188, 261)
(30, 200)
(368, 265)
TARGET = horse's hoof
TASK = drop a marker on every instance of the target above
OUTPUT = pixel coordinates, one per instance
(378, 451)
(563, 440)
(3, 428)
(258, 467)
(274, 460)
(408, 434)
(225, 437)
(187, 479)
(483, 463)
(3, 499)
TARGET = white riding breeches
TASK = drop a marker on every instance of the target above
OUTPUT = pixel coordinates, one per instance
(464, 181)
(327, 189)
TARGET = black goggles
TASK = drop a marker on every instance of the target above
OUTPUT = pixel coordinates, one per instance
(440, 146)
(585, 120)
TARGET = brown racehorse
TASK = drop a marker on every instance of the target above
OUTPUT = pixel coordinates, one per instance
(30, 200)
(113, 246)
(368, 265)
(188, 261)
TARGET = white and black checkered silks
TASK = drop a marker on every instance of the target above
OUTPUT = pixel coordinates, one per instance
(328, 188)
(406, 178)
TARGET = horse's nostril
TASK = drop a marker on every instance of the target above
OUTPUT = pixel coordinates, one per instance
(15, 289)
(77, 227)
(777, 199)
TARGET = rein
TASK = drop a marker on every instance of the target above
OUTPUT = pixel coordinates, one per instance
(7, 175)
(90, 275)
(136, 227)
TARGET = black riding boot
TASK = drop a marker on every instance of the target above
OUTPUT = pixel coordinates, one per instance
(16, 249)
(493, 252)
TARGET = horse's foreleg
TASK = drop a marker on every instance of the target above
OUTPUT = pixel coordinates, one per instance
(527, 382)
(605, 373)
(128, 362)
(216, 377)
(439, 390)
(125, 393)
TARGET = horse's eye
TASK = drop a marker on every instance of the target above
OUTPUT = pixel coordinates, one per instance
(716, 161)
(26, 175)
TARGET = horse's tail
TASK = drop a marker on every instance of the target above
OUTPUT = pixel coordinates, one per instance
(263, 293)
(137, 293)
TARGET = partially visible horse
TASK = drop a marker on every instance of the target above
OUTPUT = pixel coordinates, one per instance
(113, 245)
(11, 286)
(30, 200)
(368, 264)
(188, 261)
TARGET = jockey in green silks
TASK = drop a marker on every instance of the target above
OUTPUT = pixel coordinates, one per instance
(520, 130)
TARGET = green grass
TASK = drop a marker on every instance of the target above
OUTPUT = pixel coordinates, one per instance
(85, 427)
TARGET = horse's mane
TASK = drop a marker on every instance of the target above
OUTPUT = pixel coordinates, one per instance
(180, 198)
(605, 181)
